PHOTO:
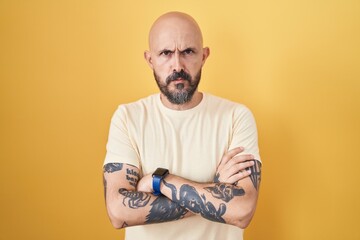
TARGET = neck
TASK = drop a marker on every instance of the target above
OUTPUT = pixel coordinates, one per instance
(195, 100)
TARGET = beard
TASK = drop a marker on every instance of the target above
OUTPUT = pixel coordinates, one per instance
(181, 94)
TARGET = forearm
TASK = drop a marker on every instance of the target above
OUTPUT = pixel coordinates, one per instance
(219, 202)
(130, 208)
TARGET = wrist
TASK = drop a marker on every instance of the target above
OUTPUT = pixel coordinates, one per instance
(158, 177)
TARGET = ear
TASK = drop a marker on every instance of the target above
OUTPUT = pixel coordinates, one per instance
(147, 56)
(206, 53)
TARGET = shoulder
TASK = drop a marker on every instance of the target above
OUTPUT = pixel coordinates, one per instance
(135, 110)
(145, 103)
(224, 104)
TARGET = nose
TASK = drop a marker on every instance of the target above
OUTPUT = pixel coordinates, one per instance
(177, 62)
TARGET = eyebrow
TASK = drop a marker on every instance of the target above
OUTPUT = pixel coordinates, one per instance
(188, 48)
(164, 50)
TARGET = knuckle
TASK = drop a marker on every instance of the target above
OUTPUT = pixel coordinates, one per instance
(235, 151)
(224, 159)
(242, 166)
(241, 174)
(232, 161)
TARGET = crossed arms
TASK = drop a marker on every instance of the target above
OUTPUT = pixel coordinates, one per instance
(230, 199)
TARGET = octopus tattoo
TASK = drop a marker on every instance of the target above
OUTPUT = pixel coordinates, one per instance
(163, 210)
(190, 199)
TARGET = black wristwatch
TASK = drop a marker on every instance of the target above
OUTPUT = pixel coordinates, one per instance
(158, 176)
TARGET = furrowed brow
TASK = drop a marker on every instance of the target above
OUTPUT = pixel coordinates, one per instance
(189, 48)
(165, 50)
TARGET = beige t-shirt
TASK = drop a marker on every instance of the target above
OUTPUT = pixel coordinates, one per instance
(189, 143)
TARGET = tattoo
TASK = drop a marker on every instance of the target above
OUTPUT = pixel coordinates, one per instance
(225, 192)
(113, 167)
(105, 185)
(109, 168)
(216, 178)
(255, 175)
(163, 209)
(190, 199)
(135, 199)
(124, 225)
(132, 176)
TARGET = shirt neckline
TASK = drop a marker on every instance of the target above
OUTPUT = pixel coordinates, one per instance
(178, 113)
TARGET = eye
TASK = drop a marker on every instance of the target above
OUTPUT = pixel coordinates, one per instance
(166, 52)
(188, 51)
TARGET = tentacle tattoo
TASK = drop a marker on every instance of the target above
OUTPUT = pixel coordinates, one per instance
(163, 210)
(190, 199)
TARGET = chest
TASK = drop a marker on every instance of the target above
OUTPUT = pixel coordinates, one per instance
(190, 147)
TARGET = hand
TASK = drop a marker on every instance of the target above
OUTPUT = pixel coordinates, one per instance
(145, 184)
(233, 168)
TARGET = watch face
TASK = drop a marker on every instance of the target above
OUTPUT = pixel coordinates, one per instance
(161, 172)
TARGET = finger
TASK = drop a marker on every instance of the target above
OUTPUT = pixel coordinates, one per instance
(239, 176)
(230, 154)
(227, 172)
(246, 158)
(245, 165)
(238, 167)
(243, 158)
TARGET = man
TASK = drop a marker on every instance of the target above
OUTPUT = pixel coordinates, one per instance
(181, 164)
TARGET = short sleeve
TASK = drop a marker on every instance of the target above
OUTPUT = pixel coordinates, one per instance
(119, 148)
(245, 132)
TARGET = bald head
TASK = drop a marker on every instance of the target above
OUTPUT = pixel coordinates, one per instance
(174, 26)
(176, 56)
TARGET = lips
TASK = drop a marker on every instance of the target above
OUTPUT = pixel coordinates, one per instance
(179, 80)
(178, 77)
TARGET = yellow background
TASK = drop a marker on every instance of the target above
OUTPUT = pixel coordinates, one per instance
(66, 65)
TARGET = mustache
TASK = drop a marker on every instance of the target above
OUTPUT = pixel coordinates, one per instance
(175, 75)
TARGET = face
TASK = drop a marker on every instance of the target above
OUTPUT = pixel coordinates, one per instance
(176, 57)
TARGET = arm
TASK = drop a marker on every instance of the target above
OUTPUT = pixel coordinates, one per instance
(131, 203)
(219, 202)
(128, 207)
